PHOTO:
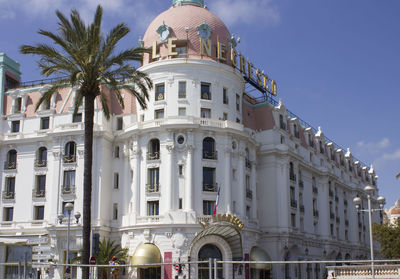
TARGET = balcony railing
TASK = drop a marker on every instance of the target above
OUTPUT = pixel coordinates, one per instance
(293, 203)
(153, 156)
(36, 193)
(8, 195)
(68, 190)
(40, 163)
(316, 213)
(153, 188)
(69, 158)
(292, 176)
(301, 184)
(210, 187)
(10, 165)
(210, 155)
(248, 163)
(301, 207)
(249, 194)
(315, 189)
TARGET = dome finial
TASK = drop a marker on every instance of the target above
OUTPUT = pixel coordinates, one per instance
(199, 3)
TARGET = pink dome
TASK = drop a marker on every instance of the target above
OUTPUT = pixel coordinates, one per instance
(178, 18)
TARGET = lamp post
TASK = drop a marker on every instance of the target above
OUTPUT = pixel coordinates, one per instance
(357, 201)
(69, 207)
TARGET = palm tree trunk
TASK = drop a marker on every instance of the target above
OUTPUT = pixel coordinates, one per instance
(87, 181)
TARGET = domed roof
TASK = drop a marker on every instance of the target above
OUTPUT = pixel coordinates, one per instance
(183, 22)
(395, 211)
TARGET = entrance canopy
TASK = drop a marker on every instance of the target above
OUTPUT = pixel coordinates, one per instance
(147, 253)
(258, 254)
(228, 232)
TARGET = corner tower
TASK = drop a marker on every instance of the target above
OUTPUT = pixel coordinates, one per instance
(10, 76)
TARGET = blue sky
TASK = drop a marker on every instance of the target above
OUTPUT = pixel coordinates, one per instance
(337, 63)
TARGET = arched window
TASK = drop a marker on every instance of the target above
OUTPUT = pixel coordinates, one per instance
(282, 123)
(41, 157)
(154, 150)
(209, 151)
(291, 172)
(70, 152)
(11, 162)
(209, 251)
(247, 159)
(321, 147)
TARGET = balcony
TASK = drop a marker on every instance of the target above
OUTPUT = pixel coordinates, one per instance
(301, 184)
(68, 190)
(210, 155)
(69, 159)
(210, 187)
(301, 207)
(293, 203)
(316, 213)
(332, 215)
(8, 195)
(315, 189)
(152, 188)
(292, 176)
(249, 194)
(36, 193)
(248, 163)
(10, 165)
(40, 163)
(153, 156)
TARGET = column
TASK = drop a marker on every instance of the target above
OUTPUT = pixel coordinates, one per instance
(2, 87)
(135, 184)
(227, 187)
(189, 179)
(241, 185)
(253, 178)
(169, 185)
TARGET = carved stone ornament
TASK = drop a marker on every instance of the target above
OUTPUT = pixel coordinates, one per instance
(204, 31)
(163, 32)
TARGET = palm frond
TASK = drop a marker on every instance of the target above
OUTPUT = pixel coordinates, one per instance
(398, 176)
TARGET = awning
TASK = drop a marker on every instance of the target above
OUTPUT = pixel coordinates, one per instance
(259, 255)
(146, 253)
(228, 232)
(12, 240)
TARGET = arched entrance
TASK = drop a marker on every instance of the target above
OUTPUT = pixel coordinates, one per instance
(209, 251)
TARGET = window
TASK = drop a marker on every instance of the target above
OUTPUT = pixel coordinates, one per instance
(205, 91)
(9, 188)
(120, 123)
(11, 162)
(70, 152)
(15, 126)
(248, 210)
(182, 111)
(205, 113)
(65, 211)
(77, 118)
(209, 149)
(116, 180)
(115, 211)
(224, 116)
(41, 157)
(296, 131)
(159, 113)
(18, 105)
(237, 120)
(69, 182)
(180, 169)
(321, 147)
(292, 175)
(225, 99)
(153, 176)
(46, 104)
(208, 207)
(39, 212)
(180, 203)
(8, 214)
(44, 123)
(116, 151)
(332, 229)
(282, 123)
(152, 208)
(209, 184)
(40, 189)
(293, 220)
(160, 90)
(237, 102)
(154, 149)
(182, 90)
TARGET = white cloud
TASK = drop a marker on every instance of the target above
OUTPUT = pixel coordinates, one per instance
(387, 158)
(373, 147)
(234, 12)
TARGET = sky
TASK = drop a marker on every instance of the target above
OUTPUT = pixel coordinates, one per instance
(336, 62)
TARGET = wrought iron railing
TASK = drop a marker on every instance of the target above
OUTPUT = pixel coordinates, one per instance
(248, 163)
(293, 203)
(249, 194)
(36, 193)
(68, 190)
(8, 195)
(210, 155)
(40, 163)
(210, 187)
(69, 158)
(316, 213)
(153, 155)
(152, 188)
(10, 165)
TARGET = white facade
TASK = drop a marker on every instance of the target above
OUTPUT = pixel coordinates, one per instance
(290, 187)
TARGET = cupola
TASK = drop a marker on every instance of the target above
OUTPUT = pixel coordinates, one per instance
(199, 3)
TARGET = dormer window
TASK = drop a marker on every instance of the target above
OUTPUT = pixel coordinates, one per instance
(18, 105)
(310, 140)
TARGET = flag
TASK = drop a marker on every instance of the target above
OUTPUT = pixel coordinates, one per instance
(216, 201)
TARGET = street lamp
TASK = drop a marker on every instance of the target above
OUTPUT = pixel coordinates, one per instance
(69, 207)
(357, 201)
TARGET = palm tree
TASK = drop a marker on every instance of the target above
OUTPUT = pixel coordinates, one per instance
(87, 59)
(398, 176)
(107, 250)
